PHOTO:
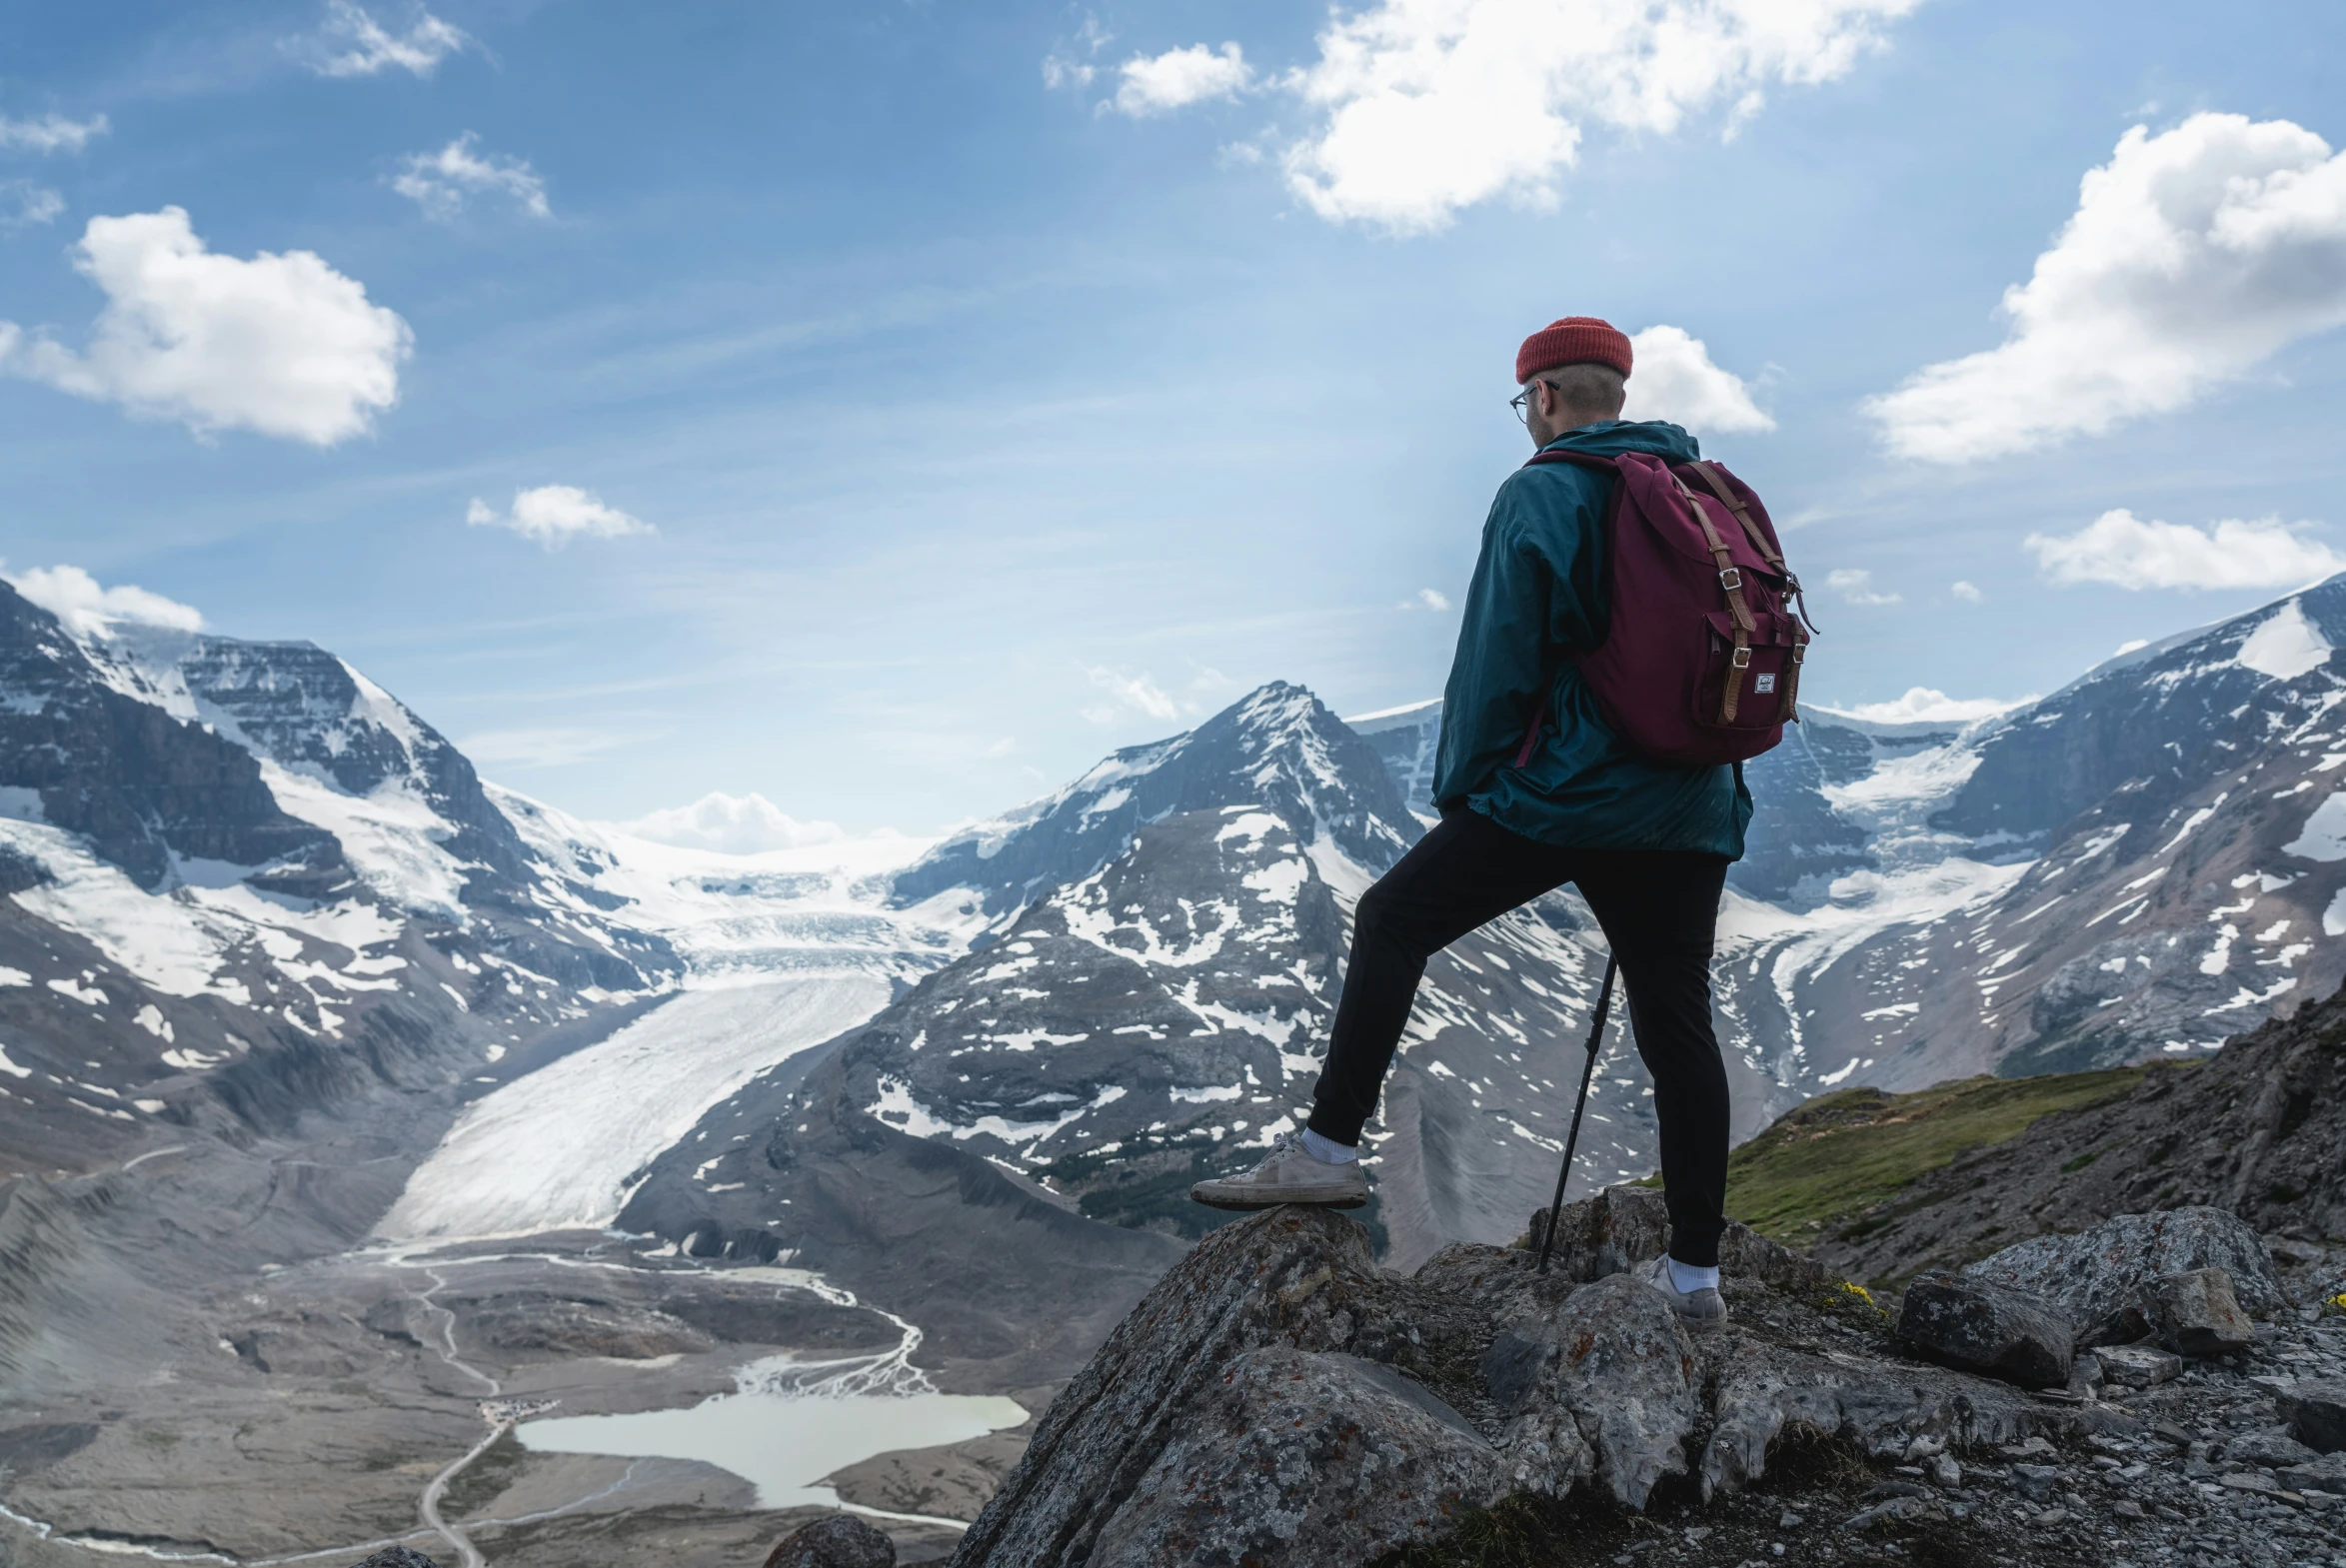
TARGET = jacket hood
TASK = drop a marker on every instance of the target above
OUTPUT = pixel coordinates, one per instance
(1657, 438)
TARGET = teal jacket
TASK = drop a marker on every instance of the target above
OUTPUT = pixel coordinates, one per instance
(1538, 597)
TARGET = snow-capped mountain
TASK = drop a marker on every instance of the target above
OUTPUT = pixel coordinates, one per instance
(244, 881)
(2174, 864)
(1277, 749)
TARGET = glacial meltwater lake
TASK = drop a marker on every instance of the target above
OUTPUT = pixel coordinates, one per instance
(782, 1444)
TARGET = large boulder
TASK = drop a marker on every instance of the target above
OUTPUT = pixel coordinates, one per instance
(398, 1557)
(1309, 1460)
(840, 1541)
(1978, 1327)
(2100, 1277)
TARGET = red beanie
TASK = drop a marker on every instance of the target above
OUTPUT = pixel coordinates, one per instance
(1577, 340)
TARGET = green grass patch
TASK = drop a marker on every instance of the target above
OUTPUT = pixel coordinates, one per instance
(1826, 1164)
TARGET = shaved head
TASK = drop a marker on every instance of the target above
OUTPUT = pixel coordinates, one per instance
(1589, 391)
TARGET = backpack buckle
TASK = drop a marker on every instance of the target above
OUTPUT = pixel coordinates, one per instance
(1742, 659)
(1730, 578)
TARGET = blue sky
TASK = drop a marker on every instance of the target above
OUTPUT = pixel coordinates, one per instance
(915, 403)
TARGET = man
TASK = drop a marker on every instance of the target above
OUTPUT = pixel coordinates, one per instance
(1647, 844)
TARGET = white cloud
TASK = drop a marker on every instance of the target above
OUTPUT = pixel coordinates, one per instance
(75, 598)
(2132, 552)
(1157, 84)
(554, 514)
(1434, 105)
(1857, 588)
(23, 204)
(52, 133)
(1428, 599)
(1966, 591)
(1071, 70)
(1925, 704)
(2192, 256)
(1134, 692)
(281, 344)
(1676, 380)
(439, 182)
(554, 748)
(352, 43)
(731, 825)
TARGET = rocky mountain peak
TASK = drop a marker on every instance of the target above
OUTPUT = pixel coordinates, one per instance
(152, 792)
(1278, 747)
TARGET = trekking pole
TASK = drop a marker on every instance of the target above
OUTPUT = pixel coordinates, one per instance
(1604, 1005)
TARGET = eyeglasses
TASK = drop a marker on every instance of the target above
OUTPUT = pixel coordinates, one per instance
(1521, 404)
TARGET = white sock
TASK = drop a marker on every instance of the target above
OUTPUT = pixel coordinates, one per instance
(1327, 1151)
(1685, 1278)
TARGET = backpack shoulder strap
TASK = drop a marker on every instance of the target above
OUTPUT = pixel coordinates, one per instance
(1586, 460)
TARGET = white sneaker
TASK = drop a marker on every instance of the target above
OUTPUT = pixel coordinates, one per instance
(1701, 1310)
(1287, 1174)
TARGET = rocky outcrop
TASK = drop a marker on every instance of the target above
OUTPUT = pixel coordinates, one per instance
(2102, 1278)
(1279, 1400)
(398, 1557)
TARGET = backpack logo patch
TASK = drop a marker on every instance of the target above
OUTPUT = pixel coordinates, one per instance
(1762, 685)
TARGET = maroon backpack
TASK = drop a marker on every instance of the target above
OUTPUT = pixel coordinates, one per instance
(1702, 662)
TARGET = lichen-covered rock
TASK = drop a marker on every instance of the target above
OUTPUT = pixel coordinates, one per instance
(1609, 1233)
(1309, 1460)
(2196, 1314)
(1761, 1390)
(2099, 1276)
(398, 1557)
(1979, 1327)
(840, 1541)
(2316, 1412)
(1621, 1227)
(1615, 1362)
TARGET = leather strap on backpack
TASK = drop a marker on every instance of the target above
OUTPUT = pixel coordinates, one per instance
(1787, 707)
(1731, 580)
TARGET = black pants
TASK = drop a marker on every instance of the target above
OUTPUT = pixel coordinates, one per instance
(1659, 911)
